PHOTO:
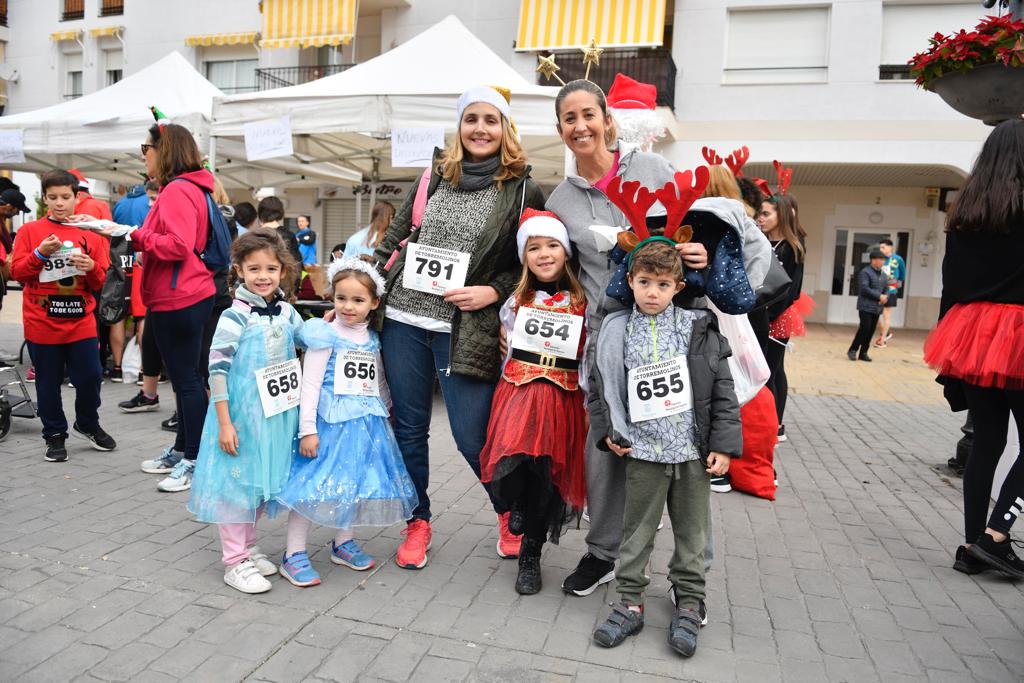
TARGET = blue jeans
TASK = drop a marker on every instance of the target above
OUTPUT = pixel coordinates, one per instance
(179, 336)
(83, 364)
(412, 358)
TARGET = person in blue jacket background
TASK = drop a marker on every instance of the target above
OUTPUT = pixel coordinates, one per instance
(307, 240)
(895, 270)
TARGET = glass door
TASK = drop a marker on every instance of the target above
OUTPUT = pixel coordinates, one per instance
(852, 253)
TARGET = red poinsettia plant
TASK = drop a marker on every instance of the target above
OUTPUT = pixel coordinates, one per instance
(996, 40)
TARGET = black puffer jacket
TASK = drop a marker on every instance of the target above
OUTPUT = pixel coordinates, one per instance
(474, 338)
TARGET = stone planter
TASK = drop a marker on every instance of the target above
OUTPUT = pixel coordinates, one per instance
(992, 92)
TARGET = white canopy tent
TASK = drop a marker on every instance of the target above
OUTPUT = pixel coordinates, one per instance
(100, 133)
(347, 118)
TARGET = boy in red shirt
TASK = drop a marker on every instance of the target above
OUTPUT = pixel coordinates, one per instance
(60, 266)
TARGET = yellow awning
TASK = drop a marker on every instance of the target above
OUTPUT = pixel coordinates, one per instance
(566, 24)
(106, 31)
(58, 36)
(308, 23)
(244, 38)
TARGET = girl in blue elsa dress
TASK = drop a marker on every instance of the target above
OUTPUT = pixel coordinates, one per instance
(248, 439)
(348, 471)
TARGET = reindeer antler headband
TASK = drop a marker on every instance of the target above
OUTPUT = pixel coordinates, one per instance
(734, 161)
(784, 176)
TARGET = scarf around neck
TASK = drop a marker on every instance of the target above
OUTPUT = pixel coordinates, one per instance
(476, 175)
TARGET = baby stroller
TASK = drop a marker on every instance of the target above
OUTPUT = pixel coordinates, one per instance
(14, 399)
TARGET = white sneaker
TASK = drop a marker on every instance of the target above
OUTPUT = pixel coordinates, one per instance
(262, 563)
(165, 463)
(246, 578)
(180, 478)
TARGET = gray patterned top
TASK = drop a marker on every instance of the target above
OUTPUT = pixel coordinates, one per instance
(453, 219)
(651, 339)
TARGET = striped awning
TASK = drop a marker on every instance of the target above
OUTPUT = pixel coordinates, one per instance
(244, 38)
(567, 24)
(308, 23)
(106, 31)
(58, 36)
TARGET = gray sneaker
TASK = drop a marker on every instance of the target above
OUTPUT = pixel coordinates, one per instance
(164, 463)
(180, 478)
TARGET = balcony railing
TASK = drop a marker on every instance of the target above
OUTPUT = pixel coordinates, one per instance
(73, 9)
(3, 12)
(111, 8)
(280, 77)
(647, 65)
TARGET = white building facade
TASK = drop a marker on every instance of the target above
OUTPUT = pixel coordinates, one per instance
(820, 85)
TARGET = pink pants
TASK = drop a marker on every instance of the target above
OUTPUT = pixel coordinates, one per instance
(236, 540)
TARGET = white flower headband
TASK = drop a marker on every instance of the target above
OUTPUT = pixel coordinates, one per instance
(339, 265)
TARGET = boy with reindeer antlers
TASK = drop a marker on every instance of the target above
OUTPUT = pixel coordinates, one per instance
(663, 375)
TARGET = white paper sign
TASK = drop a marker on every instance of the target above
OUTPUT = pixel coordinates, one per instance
(279, 386)
(547, 332)
(268, 139)
(434, 270)
(12, 146)
(659, 390)
(414, 147)
(355, 374)
(59, 266)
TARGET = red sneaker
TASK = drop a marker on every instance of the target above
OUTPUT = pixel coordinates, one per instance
(412, 554)
(508, 543)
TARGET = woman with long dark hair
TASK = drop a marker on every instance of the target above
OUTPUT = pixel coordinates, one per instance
(978, 345)
(177, 288)
(780, 222)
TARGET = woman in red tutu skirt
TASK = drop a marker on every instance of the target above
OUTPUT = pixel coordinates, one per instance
(978, 345)
(533, 458)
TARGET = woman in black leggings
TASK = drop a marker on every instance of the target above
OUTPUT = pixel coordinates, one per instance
(778, 220)
(978, 346)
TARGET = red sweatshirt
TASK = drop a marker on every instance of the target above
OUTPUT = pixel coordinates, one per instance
(91, 206)
(170, 239)
(58, 312)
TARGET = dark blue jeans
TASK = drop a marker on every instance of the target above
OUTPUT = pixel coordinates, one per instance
(412, 358)
(83, 363)
(179, 336)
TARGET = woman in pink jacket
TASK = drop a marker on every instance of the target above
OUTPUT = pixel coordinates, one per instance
(177, 288)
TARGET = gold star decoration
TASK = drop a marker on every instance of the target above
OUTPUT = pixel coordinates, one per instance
(547, 67)
(591, 57)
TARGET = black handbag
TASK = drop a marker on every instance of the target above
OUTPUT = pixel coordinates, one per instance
(775, 287)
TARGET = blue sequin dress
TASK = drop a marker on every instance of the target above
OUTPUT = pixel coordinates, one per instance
(230, 489)
(358, 477)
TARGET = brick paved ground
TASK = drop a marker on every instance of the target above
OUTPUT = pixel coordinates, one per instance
(846, 577)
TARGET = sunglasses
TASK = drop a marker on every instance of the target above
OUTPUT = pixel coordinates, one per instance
(145, 147)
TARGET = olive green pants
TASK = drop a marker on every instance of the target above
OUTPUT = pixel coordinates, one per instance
(649, 487)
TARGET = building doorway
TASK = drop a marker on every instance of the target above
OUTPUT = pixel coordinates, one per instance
(853, 247)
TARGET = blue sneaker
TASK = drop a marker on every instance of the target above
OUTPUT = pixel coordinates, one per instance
(351, 555)
(298, 570)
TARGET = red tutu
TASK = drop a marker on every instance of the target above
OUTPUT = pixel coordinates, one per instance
(790, 322)
(980, 343)
(538, 419)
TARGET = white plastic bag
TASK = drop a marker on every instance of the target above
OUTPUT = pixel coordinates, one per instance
(749, 368)
(131, 361)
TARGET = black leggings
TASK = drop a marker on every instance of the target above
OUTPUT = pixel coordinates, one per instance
(152, 362)
(862, 340)
(775, 354)
(990, 410)
(527, 489)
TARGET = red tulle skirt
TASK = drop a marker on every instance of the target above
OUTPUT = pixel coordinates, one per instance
(980, 343)
(790, 322)
(538, 420)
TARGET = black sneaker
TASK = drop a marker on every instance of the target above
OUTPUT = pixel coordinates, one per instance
(683, 631)
(852, 355)
(517, 522)
(590, 573)
(528, 580)
(702, 609)
(782, 434)
(162, 379)
(864, 357)
(966, 564)
(998, 555)
(721, 484)
(139, 381)
(170, 424)
(101, 441)
(620, 624)
(116, 375)
(55, 450)
(140, 404)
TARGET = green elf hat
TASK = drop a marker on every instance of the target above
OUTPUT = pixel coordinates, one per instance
(160, 118)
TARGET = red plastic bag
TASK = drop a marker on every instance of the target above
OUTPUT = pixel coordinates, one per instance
(753, 473)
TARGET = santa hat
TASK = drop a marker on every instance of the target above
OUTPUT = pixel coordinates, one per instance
(633, 104)
(83, 184)
(536, 223)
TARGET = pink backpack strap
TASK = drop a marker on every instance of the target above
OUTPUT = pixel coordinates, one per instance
(419, 207)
